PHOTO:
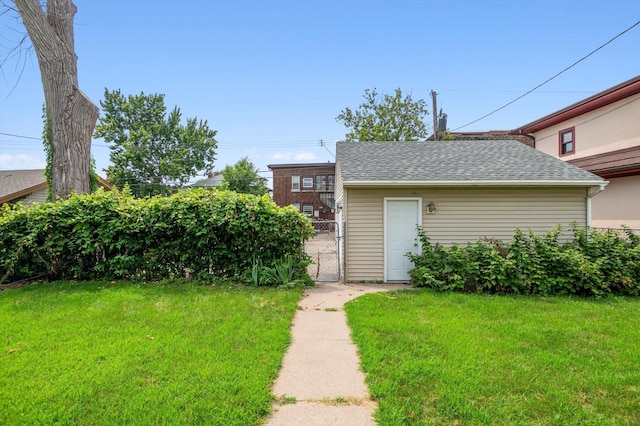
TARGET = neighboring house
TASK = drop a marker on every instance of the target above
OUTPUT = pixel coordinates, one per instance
(457, 191)
(492, 135)
(213, 179)
(27, 186)
(307, 186)
(600, 134)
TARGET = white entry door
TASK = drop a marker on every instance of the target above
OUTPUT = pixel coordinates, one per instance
(401, 215)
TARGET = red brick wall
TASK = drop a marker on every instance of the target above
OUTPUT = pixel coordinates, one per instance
(284, 196)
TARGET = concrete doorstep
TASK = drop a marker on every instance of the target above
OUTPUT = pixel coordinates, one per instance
(320, 382)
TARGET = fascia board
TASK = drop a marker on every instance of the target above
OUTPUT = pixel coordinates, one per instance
(458, 183)
(23, 192)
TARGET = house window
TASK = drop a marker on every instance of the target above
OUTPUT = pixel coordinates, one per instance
(328, 200)
(307, 209)
(307, 182)
(567, 141)
(325, 183)
(295, 183)
(330, 182)
(296, 205)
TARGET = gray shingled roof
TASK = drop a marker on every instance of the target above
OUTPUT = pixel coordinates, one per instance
(215, 180)
(454, 161)
(12, 181)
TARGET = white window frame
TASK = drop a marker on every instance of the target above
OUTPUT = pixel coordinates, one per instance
(296, 205)
(307, 182)
(295, 183)
(308, 207)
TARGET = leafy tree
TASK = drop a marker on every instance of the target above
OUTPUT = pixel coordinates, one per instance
(243, 177)
(385, 118)
(153, 153)
(72, 115)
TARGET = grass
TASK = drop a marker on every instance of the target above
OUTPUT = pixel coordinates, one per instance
(102, 353)
(452, 359)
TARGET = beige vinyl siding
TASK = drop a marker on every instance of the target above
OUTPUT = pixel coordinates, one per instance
(364, 211)
(338, 191)
(39, 196)
(462, 215)
(466, 215)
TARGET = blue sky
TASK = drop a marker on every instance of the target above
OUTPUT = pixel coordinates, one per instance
(271, 76)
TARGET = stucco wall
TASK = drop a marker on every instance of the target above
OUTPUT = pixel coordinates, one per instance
(609, 128)
(618, 204)
(462, 215)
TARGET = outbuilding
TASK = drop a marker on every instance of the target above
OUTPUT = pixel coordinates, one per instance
(457, 191)
(29, 186)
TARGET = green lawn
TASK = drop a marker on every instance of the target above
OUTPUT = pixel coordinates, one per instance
(452, 359)
(101, 353)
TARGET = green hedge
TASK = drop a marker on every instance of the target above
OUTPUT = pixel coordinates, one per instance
(593, 263)
(194, 233)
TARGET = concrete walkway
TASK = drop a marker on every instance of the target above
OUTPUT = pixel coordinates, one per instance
(320, 382)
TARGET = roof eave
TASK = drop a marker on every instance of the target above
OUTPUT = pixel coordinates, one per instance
(18, 194)
(23, 192)
(300, 165)
(458, 183)
(106, 185)
(614, 94)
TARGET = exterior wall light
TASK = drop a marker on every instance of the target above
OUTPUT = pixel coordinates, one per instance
(431, 208)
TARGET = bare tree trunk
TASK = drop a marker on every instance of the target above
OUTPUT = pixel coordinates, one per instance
(73, 115)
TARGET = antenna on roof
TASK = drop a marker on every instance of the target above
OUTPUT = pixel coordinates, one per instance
(434, 97)
(442, 121)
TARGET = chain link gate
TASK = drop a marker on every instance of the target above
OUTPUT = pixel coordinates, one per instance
(324, 250)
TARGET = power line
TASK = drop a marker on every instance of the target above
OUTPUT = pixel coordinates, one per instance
(551, 78)
(583, 92)
(223, 144)
(20, 136)
(324, 145)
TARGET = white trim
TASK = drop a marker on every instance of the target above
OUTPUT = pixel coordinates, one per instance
(310, 214)
(307, 179)
(384, 234)
(454, 183)
(590, 195)
(294, 181)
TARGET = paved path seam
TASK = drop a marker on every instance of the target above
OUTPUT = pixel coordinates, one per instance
(320, 382)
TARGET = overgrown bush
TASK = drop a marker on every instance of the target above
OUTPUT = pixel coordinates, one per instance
(195, 233)
(593, 263)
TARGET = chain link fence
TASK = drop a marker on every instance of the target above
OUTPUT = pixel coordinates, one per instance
(324, 250)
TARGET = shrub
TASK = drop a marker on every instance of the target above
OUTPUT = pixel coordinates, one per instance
(194, 234)
(593, 263)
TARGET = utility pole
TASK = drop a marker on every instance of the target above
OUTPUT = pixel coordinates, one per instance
(435, 115)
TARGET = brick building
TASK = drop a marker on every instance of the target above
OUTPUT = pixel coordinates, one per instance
(307, 186)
